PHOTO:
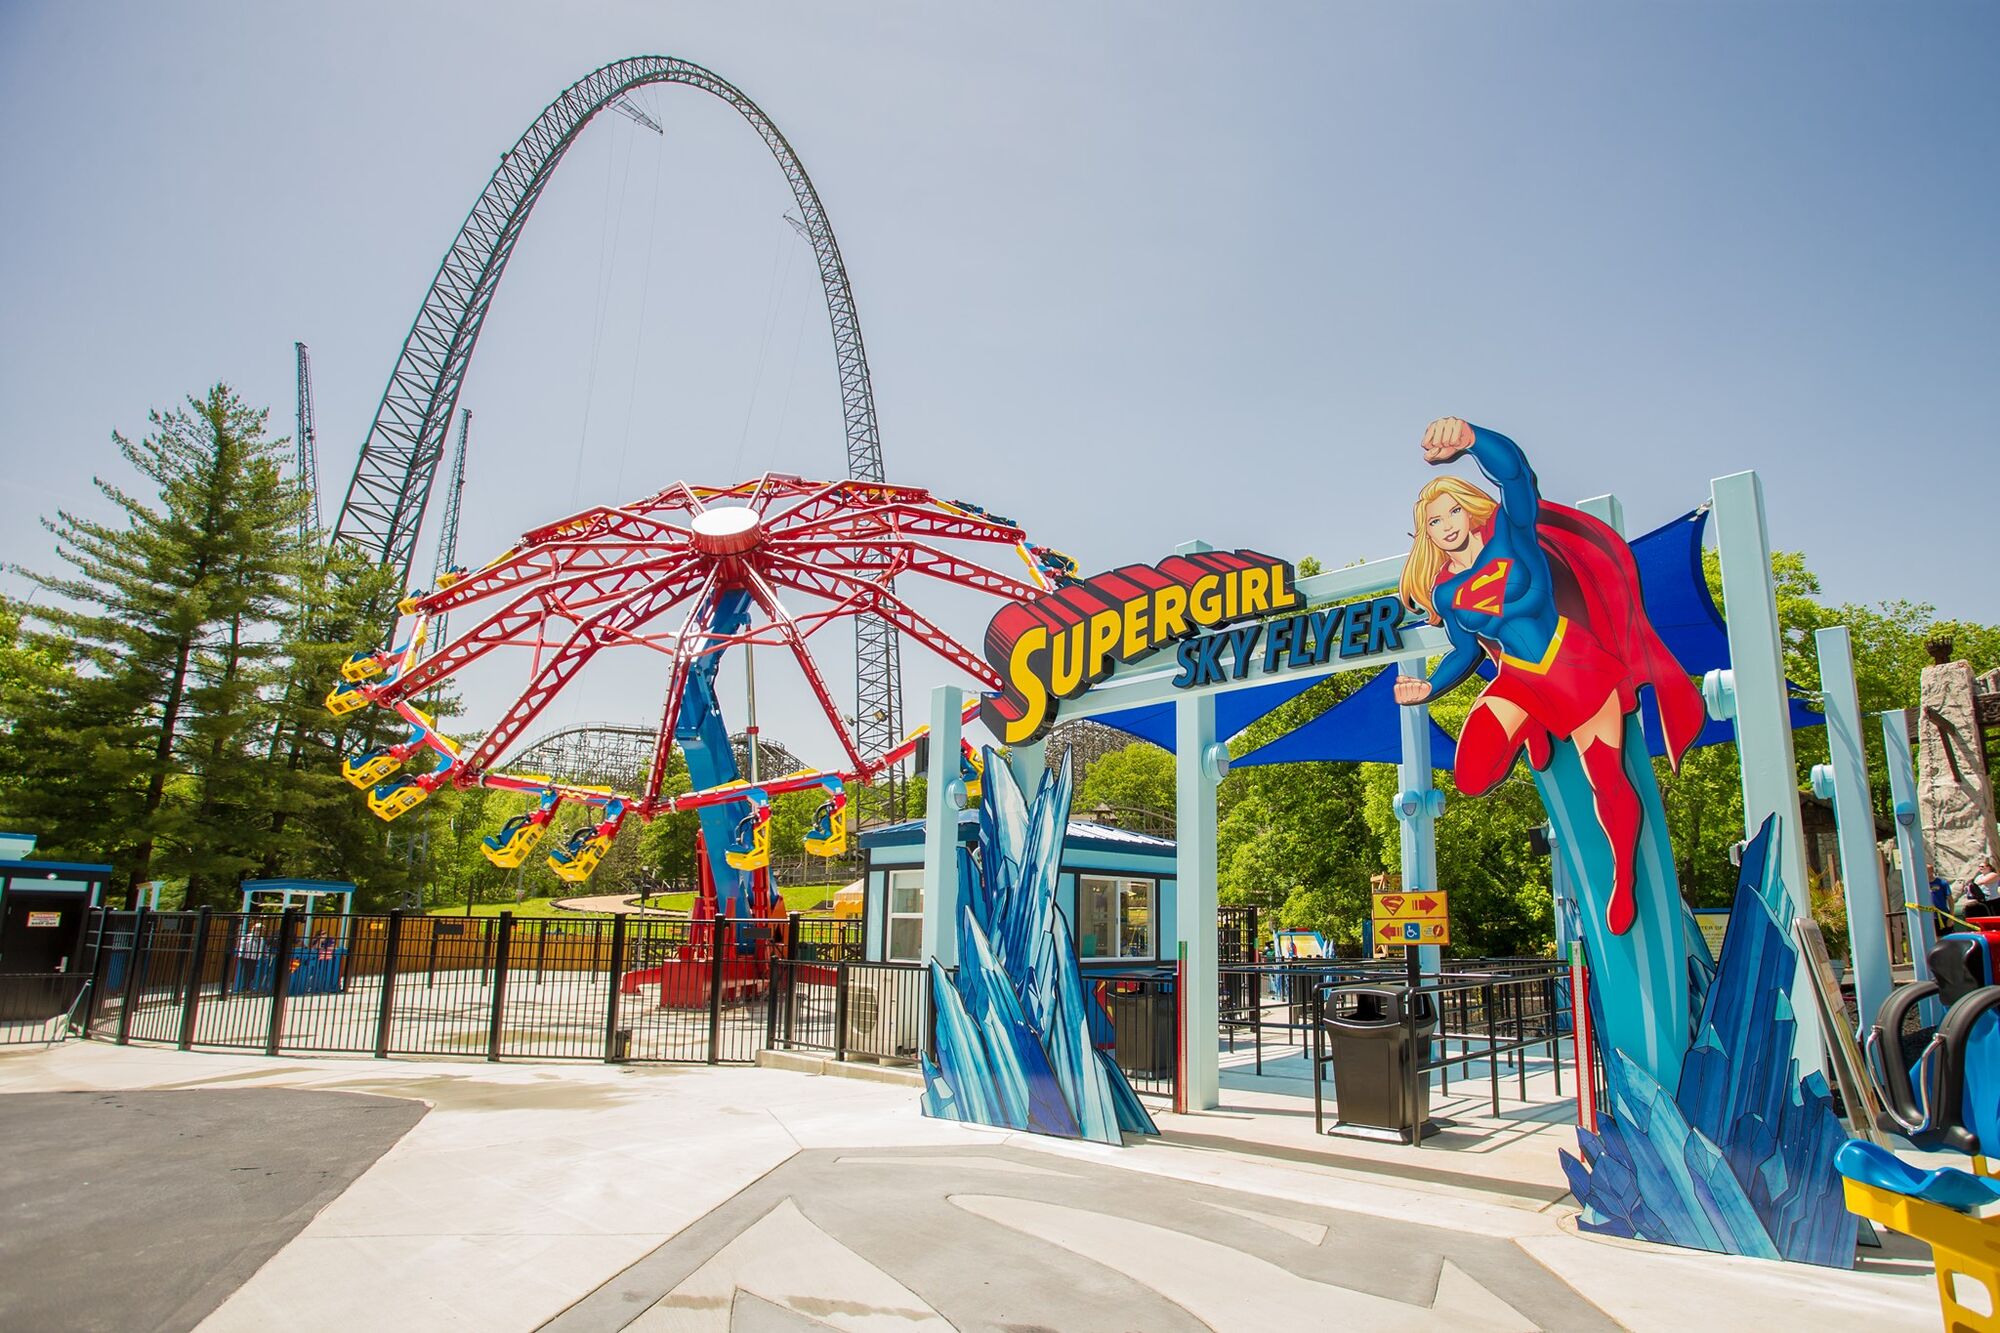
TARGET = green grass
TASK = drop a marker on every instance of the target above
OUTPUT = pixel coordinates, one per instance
(798, 898)
(808, 898)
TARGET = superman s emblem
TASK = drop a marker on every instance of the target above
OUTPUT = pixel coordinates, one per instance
(1486, 591)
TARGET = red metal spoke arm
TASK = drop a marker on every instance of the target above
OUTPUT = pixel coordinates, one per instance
(900, 519)
(529, 610)
(561, 668)
(578, 558)
(831, 583)
(761, 591)
(918, 558)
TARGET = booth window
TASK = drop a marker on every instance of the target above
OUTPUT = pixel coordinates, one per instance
(1115, 918)
(905, 943)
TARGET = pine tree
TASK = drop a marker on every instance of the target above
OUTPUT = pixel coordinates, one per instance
(139, 752)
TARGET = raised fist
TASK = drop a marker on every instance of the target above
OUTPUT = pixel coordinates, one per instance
(1413, 690)
(1445, 439)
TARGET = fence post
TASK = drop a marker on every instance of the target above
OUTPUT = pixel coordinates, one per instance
(191, 997)
(392, 949)
(614, 976)
(281, 977)
(715, 938)
(97, 971)
(840, 1010)
(1492, 1044)
(135, 960)
(502, 938)
(792, 977)
(541, 948)
(431, 959)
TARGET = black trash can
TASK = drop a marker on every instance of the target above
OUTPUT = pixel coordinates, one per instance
(1142, 1027)
(1368, 1038)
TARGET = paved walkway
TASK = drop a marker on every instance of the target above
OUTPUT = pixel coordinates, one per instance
(610, 1197)
(617, 904)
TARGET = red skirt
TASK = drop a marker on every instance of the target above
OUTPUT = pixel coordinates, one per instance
(1568, 686)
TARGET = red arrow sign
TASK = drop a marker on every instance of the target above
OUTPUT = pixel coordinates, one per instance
(1393, 902)
(1391, 932)
(1426, 904)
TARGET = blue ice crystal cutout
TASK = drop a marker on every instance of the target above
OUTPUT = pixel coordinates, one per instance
(1017, 1032)
(1740, 1158)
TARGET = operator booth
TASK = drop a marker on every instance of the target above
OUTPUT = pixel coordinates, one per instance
(317, 944)
(1116, 889)
(45, 909)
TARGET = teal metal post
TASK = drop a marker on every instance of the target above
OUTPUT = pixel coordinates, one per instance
(1200, 763)
(1916, 865)
(1854, 819)
(1417, 809)
(1754, 693)
(941, 828)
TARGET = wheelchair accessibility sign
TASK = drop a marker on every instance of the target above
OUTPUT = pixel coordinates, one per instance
(1403, 919)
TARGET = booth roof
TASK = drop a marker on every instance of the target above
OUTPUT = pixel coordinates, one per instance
(84, 869)
(1079, 835)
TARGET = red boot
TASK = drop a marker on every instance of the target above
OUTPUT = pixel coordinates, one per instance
(1618, 814)
(1485, 753)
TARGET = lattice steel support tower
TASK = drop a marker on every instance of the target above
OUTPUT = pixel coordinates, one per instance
(384, 506)
(447, 554)
(308, 449)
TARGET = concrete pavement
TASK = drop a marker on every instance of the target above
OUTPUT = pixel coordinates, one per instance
(662, 1196)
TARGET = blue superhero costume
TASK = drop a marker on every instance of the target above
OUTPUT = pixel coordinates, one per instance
(1553, 600)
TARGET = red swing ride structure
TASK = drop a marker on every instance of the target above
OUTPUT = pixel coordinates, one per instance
(689, 572)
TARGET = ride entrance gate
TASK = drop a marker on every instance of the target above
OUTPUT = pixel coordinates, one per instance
(622, 989)
(1753, 692)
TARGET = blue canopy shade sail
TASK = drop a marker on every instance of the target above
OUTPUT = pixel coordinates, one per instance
(1365, 726)
(1233, 711)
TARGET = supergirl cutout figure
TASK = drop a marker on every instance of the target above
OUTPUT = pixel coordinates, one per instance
(1552, 596)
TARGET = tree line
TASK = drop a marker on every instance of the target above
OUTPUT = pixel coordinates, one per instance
(160, 710)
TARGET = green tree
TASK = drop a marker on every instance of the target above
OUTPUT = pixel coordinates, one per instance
(1138, 777)
(165, 615)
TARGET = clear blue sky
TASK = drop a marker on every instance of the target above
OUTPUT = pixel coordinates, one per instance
(1130, 273)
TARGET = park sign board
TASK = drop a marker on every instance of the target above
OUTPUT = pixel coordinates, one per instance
(1058, 645)
(1400, 919)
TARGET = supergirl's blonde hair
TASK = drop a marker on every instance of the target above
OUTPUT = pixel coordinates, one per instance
(1420, 571)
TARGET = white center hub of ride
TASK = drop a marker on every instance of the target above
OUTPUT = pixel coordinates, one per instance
(727, 530)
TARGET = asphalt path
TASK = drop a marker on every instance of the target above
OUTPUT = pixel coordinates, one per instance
(145, 1210)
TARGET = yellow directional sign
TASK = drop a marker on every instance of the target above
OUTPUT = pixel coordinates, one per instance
(1420, 917)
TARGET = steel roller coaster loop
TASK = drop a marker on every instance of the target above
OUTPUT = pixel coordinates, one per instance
(688, 573)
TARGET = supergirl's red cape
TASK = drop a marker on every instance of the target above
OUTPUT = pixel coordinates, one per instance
(1597, 585)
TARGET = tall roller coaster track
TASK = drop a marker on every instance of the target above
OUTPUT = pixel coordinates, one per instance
(385, 502)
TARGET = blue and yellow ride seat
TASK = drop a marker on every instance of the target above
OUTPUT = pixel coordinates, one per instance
(516, 838)
(399, 797)
(971, 772)
(750, 848)
(575, 859)
(408, 604)
(345, 698)
(828, 834)
(361, 666)
(365, 768)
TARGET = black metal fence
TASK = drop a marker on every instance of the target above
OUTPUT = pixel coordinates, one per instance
(639, 988)
(36, 1008)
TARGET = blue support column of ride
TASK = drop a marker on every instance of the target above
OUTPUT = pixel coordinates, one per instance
(1854, 817)
(1194, 893)
(1914, 862)
(1756, 696)
(941, 887)
(1416, 825)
